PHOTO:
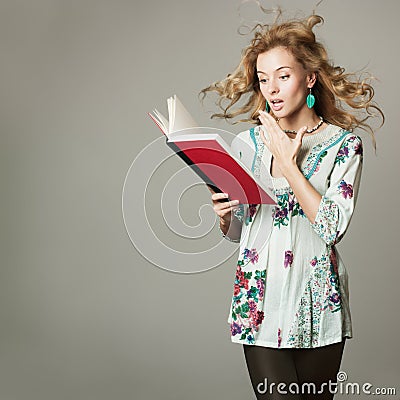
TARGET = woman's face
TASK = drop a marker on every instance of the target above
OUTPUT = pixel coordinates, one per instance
(283, 82)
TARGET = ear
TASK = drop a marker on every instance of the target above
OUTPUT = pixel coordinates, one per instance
(311, 79)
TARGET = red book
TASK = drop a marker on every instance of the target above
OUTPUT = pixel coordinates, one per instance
(210, 156)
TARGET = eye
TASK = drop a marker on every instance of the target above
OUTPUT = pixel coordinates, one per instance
(263, 80)
(284, 77)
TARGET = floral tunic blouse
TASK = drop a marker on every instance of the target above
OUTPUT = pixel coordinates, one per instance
(291, 286)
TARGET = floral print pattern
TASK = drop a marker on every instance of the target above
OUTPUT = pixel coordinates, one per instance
(251, 210)
(346, 189)
(326, 221)
(321, 157)
(238, 212)
(250, 255)
(287, 206)
(332, 293)
(246, 214)
(322, 294)
(353, 143)
(288, 259)
(342, 154)
(249, 287)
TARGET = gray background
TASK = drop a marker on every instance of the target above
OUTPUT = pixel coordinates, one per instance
(83, 314)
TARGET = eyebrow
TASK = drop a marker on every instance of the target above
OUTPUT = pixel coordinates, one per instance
(261, 72)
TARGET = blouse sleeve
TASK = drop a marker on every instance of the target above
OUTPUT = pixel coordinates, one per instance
(337, 204)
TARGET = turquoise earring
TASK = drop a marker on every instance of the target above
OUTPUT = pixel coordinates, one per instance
(310, 100)
(266, 106)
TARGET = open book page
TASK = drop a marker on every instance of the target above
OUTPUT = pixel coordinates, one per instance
(179, 117)
(161, 121)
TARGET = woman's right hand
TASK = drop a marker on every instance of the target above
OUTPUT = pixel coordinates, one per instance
(222, 207)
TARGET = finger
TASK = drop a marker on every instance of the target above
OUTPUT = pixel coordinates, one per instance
(263, 119)
(226, 211)
(271, 122)
(219, 196)
(234, 203)
(301, 132)
(226, 205)
(268, 124)
(222, 211)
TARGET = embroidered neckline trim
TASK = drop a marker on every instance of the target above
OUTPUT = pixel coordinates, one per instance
(308, 165)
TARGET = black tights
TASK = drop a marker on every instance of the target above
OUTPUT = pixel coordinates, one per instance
(313, 365)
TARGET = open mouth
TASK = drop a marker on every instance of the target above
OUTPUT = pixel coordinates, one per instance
(276, 104)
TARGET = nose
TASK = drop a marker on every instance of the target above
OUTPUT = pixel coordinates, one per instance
(273, 87)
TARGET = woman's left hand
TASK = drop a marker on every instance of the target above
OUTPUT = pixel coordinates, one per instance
(283, 148)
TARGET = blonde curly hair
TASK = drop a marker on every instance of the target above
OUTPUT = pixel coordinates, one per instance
(333, 90)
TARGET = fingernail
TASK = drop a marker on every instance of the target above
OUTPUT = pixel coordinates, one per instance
(226, 195)
(235, 201)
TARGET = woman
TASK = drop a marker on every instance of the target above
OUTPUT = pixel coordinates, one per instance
(290, 306)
